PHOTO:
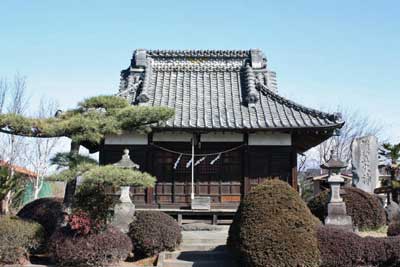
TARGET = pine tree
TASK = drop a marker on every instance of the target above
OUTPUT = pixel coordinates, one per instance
(394, 153)
(87, 124)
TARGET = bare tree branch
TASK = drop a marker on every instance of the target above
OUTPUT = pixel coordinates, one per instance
(40, 149)
(18, 98)
(357, 125)
(13, 146)
(3, 93)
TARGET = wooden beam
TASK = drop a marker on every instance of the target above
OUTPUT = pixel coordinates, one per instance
(294, 169)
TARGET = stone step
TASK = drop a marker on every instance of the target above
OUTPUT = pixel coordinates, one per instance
(204, 241)
(201, 247)
(178, 263)
(216, 255)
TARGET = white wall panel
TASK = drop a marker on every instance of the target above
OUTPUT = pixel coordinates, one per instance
(126, 139)
(270, 139)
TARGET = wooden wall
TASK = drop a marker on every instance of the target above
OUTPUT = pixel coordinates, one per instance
(233, 175)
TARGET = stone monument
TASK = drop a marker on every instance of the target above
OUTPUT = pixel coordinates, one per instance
(124, 210)
(337, 215)
(365, 163)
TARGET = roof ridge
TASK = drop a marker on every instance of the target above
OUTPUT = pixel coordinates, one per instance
(335, 117)
(199, 53)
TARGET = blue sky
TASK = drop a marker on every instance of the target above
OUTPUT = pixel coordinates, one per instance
(325, 53)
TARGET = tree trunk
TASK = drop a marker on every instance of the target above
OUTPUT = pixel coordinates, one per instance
(71, 185)
(75, 148)
(2, 207)
(7, 203)
(8, 198)
(38, 187)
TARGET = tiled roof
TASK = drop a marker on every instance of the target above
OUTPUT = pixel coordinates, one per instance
(18, 169)
(216, 89)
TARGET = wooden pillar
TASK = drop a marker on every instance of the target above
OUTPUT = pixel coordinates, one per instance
(294, 168)
(149, 168)
(245, 165)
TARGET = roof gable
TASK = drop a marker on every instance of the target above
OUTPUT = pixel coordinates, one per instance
(218, 89)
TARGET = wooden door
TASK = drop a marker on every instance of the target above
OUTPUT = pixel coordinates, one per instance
(221, 181)
(269, 162)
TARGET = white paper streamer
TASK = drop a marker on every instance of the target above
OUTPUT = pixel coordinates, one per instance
(189, 163)
(199, 161)
(177, 162)
(214, 160)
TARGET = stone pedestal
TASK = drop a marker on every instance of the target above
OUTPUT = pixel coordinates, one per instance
(124, 211)
(337, 216)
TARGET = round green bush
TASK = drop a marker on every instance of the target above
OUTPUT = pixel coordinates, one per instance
(152, 232)
(274, 228)
(365, 209)
(17, 238)
(96, 249)
(49, 212)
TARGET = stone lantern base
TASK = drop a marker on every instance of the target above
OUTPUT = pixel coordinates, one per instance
(337, 216)
(124, 211)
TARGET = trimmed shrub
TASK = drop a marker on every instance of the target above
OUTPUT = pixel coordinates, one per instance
(17, 238)
(374, 251)
(394, 228)
(392, 245)
(365, 209)
(95, 249)
(92, 199)
(341, 248)
(49, 212)
(152, 232)
(273, 227)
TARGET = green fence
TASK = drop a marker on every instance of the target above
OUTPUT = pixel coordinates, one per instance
(49, 189)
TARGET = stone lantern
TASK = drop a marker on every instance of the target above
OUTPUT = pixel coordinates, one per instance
(124, 210)
(337, 215)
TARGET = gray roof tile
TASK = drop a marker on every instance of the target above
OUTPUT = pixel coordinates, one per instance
(216, 89)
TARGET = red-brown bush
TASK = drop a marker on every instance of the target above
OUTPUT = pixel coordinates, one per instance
(95, 249)
(345, 249)
(339, 248)
(394, 228)
(80, 223)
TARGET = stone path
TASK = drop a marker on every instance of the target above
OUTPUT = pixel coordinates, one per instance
(199, 249)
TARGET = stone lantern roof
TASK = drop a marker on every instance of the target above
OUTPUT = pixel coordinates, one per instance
(126, 161)
(333, 163)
